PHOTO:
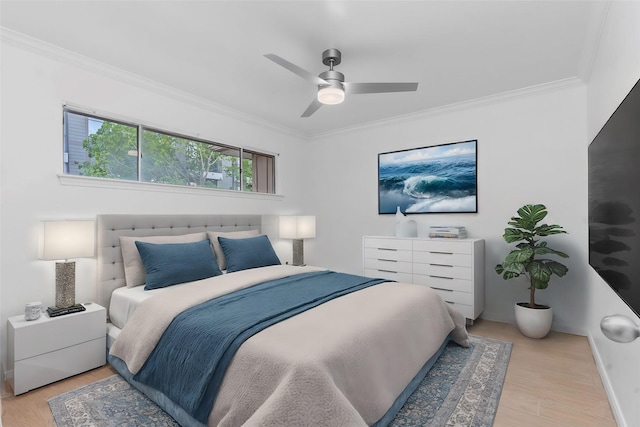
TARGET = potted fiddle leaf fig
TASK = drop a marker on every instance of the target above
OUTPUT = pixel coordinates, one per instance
(529, 259)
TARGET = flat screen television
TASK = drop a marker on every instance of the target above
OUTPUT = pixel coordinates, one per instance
(437, 179)
(614, 201)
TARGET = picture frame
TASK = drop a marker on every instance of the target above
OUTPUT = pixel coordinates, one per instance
(434, 179)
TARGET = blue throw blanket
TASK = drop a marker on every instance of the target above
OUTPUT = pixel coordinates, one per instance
(191, 358)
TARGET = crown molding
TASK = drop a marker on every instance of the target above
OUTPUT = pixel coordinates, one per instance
(56, 53)
(598, 21)
(48, 50)
(459, 106)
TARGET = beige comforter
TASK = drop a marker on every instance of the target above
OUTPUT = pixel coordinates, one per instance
(342, 363)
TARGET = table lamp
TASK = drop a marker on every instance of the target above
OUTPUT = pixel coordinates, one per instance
(298, 228)
(63, 240)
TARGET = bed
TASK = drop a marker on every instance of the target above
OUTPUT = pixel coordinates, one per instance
(311, 346)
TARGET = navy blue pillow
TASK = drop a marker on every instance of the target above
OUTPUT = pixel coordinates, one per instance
(173, 263)
(252, 252)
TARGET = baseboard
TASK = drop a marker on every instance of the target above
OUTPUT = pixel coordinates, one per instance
(558, 327)
(613, 402)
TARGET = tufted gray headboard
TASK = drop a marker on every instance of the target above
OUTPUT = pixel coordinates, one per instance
(111, 227)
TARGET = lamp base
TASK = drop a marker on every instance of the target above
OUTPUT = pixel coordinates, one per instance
(298, 252)
(65, 284)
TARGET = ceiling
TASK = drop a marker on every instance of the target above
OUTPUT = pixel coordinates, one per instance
(456, 50)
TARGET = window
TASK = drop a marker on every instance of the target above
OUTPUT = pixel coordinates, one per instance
(104, 148)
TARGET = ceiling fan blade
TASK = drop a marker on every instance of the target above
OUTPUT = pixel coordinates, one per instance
(296, 70)
(312, 108)
(356, 88)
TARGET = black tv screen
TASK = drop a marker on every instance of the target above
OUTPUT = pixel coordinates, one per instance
(614, 201)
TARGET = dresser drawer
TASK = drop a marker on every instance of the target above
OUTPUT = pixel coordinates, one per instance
(463, 260)
(389, 275)
(454, 268)
(443, 246)
(388, 254)
(397, 244)
(447, 272)
(456, 297)
(388, 265)
(444, 283)
(464, 309)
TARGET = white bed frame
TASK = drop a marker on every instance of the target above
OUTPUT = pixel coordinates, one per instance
(111, 227)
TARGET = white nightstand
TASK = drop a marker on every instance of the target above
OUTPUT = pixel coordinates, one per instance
(52, 348)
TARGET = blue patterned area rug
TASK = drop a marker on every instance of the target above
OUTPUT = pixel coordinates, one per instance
(462, 389)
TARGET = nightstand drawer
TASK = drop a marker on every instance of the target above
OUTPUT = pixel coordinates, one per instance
(49, 349)
(44, 335)
(47, 368)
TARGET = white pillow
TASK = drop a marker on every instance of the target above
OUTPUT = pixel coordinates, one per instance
(217, 249)
(134, 272)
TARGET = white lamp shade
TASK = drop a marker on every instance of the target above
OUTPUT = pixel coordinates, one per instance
(67, 239)
(330, 95)
(297, 227)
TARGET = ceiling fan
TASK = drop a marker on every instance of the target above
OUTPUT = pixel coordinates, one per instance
(331, 85)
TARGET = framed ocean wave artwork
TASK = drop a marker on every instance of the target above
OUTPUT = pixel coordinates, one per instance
(436, 179)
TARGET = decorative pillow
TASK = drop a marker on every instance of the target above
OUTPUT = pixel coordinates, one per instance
(133, 269)
(173, 263)
(252, 252)
(217, 250)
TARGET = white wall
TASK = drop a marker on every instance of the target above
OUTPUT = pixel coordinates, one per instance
(33, 90)
(615, 70)
(530, 150)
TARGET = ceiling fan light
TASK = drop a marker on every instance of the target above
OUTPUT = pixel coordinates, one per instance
(330, 95)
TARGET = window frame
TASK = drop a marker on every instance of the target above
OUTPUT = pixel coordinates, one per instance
(67, 178)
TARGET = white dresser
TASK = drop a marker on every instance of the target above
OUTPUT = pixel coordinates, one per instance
(52, 348)
(454, 268)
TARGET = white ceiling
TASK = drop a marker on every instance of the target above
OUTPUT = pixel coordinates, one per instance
(456, 50)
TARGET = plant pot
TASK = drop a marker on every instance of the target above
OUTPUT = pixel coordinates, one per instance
(533, 322)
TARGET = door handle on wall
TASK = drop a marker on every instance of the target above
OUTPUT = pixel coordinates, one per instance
(619, 328)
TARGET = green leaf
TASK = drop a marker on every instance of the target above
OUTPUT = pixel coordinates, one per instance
(510, 275)
(512, 235)
(533, 213)
(557, 268)
(519, 255)
(548, 230)
(540, 274)
(543, 250)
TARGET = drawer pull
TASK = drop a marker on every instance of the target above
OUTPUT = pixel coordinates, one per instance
(442, 265)
(443, 289)
(388, 249)
(442, 277)
(450, 302)
(387, 260)
(442, 253)
(387, 271)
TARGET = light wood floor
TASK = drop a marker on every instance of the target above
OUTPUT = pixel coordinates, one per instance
(549, 382)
